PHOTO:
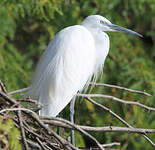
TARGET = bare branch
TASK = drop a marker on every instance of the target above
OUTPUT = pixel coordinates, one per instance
(46, 138)
(22, 131)
(33, 145)
(28, 100)
(40, 143)
(119, 118)
(16, 109)
(2, 87)
(80, 130)
(59, 123)
(111, 144)
(117, 99)
(18, 91)
(34, 116)
(121, 88)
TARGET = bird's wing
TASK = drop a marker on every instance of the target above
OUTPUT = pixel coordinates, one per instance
(63, 69)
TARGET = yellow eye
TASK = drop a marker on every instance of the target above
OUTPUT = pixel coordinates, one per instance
(102, 22)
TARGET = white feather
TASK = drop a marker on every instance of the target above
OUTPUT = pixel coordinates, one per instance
(63, 69)
(71, 58)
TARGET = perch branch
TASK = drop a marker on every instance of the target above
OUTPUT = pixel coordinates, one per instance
(111, 144)
(18, 91)
(80, 130)
(119, 118)
(35, 117)
(121, 88)
(59, 123)
(117, 99)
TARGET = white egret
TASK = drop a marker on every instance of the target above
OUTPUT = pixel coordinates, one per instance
(71, 58)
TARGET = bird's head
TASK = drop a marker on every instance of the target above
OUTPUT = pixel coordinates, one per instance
(103, 24)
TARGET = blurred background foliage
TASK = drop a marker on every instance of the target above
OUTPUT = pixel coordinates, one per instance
(27, 26)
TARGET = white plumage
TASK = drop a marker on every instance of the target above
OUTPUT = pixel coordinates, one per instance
(71, 58)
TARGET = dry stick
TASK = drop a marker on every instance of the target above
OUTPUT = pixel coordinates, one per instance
(80, 130)
(30, 101)
(121, 88)
(7, 98)
(42, 125)
(26, 127)
(40, 143)
(33, 145)
(18, 91)
(22, 131)
(109, 129)
(118, 100)
(47, 147)
(12, 102)
(51, 132)
(95, 148)
(111, 144)
(96, 84)
(56, 122)
(2, 87)
(118, 117)
(39, 136)
(32, 131)
(36, 118)
(16, 109)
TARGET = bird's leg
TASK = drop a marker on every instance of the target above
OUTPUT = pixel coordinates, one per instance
(58, 128)
(72, 103)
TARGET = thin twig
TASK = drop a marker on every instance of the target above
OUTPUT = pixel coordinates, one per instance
(119, 118)
(33, 145)
(34, 116)
(118, 100)
(2, 87)
(96, 84)
(45, 139)
(22, 131)
(121, 88)
(18, 91)
(111, 144)
(7, 98)
(109, 110)
(47, 133)
(28, 100)
(59, 123)
(45, 127)
(80, 130)
(16, 109)
(65, 143)
(40, 143)
(95, 148)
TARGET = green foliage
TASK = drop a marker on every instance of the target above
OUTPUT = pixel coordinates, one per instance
(9, 135)
(27, 26)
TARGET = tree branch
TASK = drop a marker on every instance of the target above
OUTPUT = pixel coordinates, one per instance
(121, 88)
(59, 123)
(117, 99)
(119, 118)
(43, 138)
(18, 91)
(22, 131)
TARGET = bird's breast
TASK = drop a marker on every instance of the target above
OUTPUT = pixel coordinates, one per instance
(102, 47)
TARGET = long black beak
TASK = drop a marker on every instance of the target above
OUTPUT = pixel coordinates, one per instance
(121, 29)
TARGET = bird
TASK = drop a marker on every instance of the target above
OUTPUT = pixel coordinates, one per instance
(73, 56)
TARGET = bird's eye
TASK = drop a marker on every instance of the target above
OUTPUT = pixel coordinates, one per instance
(102, 22)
